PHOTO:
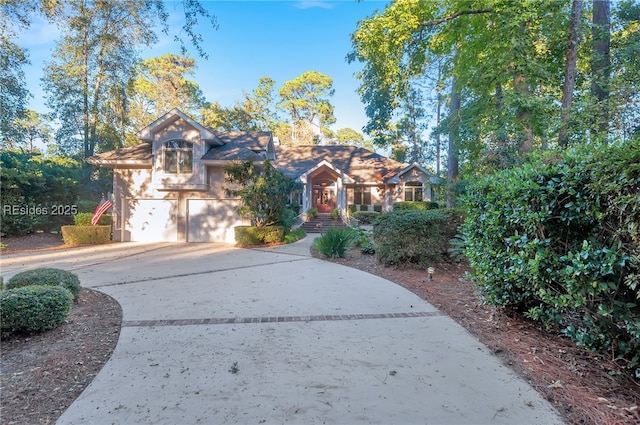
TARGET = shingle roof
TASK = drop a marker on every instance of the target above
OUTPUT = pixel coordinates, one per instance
(138, 154)
(238, 145)
(360, 164)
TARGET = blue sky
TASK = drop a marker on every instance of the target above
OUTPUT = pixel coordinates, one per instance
(279, 39)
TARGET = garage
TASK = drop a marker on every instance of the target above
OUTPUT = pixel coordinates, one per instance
(211, 220)
(151, 220)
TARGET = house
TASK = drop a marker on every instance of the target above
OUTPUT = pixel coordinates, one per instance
(170, 187)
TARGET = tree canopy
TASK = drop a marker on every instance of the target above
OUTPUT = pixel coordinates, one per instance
(509, 63)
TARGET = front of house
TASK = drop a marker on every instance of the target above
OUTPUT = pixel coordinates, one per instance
(170, 187)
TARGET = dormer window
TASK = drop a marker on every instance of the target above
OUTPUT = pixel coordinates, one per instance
(178, 157)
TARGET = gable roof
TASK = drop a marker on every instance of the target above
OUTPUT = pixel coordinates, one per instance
(360, 164)
(240, 145)
(206, 134)
(414, 166)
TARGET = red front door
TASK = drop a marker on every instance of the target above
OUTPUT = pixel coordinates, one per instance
(323, 200)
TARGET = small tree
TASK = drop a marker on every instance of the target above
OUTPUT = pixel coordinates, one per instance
(264, 191)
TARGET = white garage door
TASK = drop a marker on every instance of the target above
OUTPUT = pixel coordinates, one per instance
(152, 220)
(211, 220)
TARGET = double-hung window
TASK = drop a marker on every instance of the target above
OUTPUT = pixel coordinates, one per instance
(413, 191)
(362, 195)
(178, 157)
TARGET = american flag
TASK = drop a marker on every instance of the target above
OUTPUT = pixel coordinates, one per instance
(100, 209)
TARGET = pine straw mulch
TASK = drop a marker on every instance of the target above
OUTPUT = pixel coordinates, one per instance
(42, 374)
(586, 388)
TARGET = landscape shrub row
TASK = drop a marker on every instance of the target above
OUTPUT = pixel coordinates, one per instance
(37, 300)
(414, 237)
(353, 208)
(251, 235)
(415, 205)
(558, 239)
(365, 217)
(86, 235)
(84, 219)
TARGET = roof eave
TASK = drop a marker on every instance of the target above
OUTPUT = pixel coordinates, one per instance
(126, 163)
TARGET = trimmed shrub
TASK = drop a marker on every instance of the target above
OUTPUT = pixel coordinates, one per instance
(86, 235)
(335, 242)
(287, 218)
(363, 207)
(294, 236)
(365, 217)
(352, 208)
(84, 219)
(415, 205)
(377, 208)
(47, 277)
(414, 237)
(34, 308)
(557, 239)
(251, 235)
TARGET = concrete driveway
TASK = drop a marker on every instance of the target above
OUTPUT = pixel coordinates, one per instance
(217, 335)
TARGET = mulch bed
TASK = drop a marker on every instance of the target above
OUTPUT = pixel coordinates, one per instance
(42, 374)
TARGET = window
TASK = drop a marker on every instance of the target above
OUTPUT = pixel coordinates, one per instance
(362, 195)
(413, 191)
(178, 157)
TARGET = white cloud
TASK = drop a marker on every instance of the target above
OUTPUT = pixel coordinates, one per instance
(309, 4)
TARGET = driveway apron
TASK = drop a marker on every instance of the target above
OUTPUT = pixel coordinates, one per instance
(214, 334)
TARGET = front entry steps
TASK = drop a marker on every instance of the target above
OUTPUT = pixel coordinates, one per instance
(321, 223)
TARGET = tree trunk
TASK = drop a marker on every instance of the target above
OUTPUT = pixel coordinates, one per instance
(601, 64)
(569, 72)
(438, 116)
(438, 112)
(523, 115)
(452, 156)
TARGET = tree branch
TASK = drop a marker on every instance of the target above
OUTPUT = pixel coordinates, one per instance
(454, 16)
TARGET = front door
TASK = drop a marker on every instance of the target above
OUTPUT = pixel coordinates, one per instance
(324, 199)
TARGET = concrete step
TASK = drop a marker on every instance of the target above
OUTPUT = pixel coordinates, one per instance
(320, 223)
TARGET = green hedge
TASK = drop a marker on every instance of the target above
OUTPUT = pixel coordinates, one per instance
(351, 208)
(365, 217)
(250, 235)
(558, 240)
(86, 235)
(47, 277)
(415, 205)
(84, 219)
(33, 308)
(414, 237)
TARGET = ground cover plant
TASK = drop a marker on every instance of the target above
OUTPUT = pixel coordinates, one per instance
(558, 240)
